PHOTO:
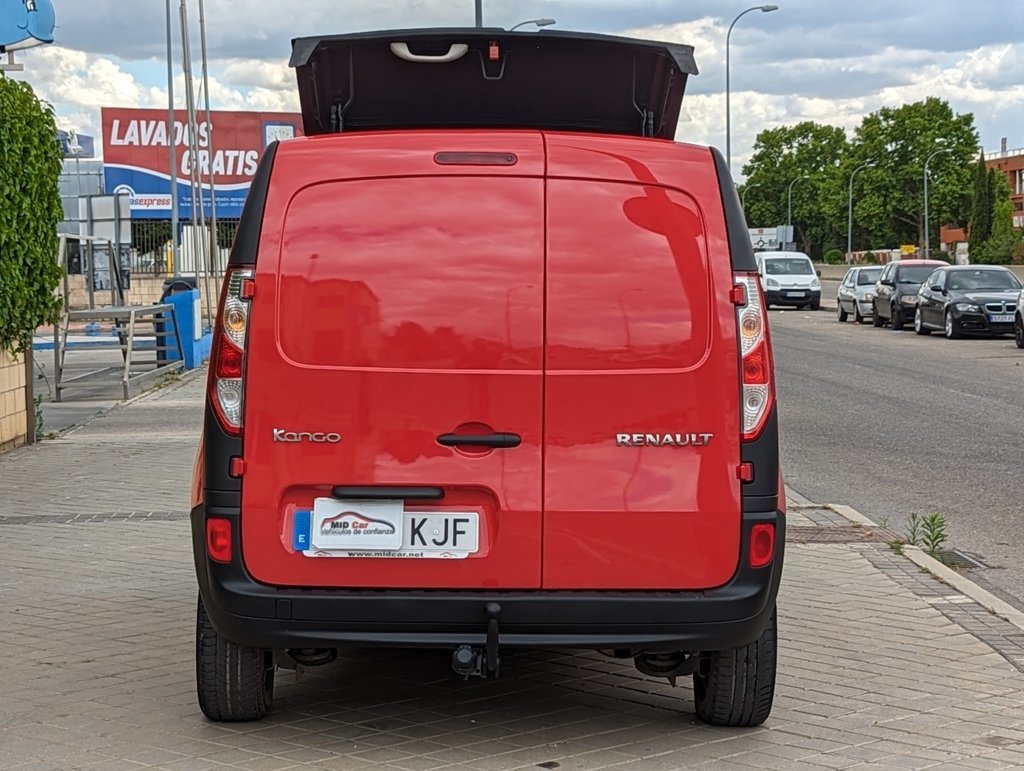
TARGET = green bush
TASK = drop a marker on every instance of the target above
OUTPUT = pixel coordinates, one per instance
(869, 258)
(30, 210)
(834, 257)
(998, 250)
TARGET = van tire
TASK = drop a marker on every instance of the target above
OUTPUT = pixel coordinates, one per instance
(234, 683)
(736, 687)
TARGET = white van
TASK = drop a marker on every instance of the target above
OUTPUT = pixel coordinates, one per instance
(789, 278)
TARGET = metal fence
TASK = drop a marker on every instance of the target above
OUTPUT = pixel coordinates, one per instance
(151, 251)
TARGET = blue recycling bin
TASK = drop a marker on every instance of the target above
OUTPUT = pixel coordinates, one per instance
(182, 294)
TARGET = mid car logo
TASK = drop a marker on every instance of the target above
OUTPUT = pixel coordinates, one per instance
(663, 440)
(316, 437)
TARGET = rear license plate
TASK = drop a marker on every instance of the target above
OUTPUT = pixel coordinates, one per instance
(1001, 319)
(418, 535)
(794, 294)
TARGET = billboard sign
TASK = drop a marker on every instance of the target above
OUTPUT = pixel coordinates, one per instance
(136, 157)
(75, 145)
(764, 239)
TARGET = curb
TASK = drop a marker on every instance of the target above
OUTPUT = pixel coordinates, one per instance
(102, 412)
(961, 583)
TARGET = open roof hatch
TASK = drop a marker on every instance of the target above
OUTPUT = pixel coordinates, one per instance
(490, 78)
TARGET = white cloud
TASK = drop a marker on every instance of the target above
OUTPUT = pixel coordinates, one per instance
(798, 64)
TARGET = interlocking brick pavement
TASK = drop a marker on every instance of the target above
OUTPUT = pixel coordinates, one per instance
(97, 601)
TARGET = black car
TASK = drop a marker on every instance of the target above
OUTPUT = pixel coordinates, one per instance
(981, 299)
(896, 290)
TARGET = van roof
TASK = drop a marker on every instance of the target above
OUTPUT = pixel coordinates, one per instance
(490, 78)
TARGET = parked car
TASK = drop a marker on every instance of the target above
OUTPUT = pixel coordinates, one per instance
(979, 299)
(856, 294)
(789, 278)
(439, 326)
(896, 291)
(1018, 322)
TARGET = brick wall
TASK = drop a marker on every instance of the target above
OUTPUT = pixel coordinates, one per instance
(145, 290)
(13, 412)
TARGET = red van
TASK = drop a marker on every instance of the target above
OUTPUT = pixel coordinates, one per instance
(492, 369)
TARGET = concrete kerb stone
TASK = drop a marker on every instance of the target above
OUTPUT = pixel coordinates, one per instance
(961, 583)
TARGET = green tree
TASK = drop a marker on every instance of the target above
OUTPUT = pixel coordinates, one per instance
(781, 157)
(1004, 242)
(30, 210)
(981, 206)
(898, 140)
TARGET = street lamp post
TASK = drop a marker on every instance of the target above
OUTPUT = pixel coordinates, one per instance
(849, 216)
(479, 13)
(728, 114)
(927, 240)
(538, 22)
(743, 197)
(789, 208)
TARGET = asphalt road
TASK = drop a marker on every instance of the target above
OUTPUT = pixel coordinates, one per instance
(892, 423)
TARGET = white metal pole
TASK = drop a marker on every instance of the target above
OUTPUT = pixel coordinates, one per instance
(728, 111)
(789, 210)
(214, 250)
(849, 216)
(927, 245)
(173, 148)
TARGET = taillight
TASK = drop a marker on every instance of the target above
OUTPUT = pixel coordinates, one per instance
(218, 539)
(227, 374)
(756, 352)
(762, 545)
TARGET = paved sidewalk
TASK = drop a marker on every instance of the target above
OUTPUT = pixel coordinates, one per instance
(881, 666)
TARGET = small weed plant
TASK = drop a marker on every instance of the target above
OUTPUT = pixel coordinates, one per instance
(929, 532)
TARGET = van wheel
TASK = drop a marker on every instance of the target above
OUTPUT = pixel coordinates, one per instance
(234, 683)
(816, 306)
(736, 687)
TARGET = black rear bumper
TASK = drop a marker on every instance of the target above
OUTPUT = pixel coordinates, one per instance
(255, 614)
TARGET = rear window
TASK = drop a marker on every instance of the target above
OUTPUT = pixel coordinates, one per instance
(788, 266)
(868, 276)
(982, 279)
(914, 274)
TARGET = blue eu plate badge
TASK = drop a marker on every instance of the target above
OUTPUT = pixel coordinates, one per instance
(300, 536)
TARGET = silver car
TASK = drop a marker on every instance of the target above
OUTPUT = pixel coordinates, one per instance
(857, 292)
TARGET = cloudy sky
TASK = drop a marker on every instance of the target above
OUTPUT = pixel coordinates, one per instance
(830, 61)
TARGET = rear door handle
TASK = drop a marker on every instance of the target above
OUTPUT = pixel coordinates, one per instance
(388, 492)
(499, 441)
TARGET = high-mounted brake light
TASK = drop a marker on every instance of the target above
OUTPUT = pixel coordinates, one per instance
(228, 367)
(756, 352)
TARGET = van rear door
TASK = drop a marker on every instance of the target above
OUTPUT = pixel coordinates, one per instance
(642, 382)
(398, 319)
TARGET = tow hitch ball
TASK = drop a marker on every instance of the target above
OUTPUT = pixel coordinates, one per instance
(474, 662)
